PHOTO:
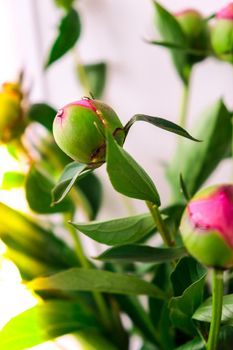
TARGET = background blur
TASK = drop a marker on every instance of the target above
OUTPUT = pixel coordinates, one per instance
(141, 78)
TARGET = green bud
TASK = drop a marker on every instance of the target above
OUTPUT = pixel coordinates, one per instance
(196, 30)
(66, 4)
(79, 130)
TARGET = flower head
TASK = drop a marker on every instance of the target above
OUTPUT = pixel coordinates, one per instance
(79, 130)
(226, 12)
(207, 226)
(222, 34)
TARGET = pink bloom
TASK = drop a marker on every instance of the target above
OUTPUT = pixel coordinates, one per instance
(214, 212)
(226, 12)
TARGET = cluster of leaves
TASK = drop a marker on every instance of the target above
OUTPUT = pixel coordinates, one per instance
(92, 77)
(76, 294)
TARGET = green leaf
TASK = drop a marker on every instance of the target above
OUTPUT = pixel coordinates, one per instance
(170, 31)
(126, 176)
(173, 215)
(22, 234)
(29, 266)
(118, 231)
(71, 174)
(94, 76)
(225, 338)
(204, 312)
(183, 306)
(93, 340)
(225, 341)
(215, 129)
(12, 179)
(38, 189)
(80, 279)
(211, 16)
(43, 114)
(140, 253)
(45, 322)
(187, 271)
(91, 188)
(131, 306)
(195, 344)
(160, 123)
(184, 189)
(158, 309)
(68, 34)
(184, 49)
(148, 346)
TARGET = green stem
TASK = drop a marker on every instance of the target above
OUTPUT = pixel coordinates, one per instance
(100, 302)
(164, 232)
(77, 245)
(217, 292)
(80, 201)
(184, 104)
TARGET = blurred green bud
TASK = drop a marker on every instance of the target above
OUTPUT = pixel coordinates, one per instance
(196, 30)
(79, 130)
(222, 34)
(11, 113)
(66, 4)
(207, 226)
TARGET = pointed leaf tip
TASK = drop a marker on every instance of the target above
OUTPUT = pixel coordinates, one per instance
(160, 123)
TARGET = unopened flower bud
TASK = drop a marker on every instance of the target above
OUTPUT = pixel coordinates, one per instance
(66, 4)
(79, 130)
(196, 30)
(207, 226)
(222, 34)
(11, 114)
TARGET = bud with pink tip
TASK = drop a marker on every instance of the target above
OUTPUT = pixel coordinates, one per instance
(222, 34)
(207, 226)
(79, 130)
(196, 30)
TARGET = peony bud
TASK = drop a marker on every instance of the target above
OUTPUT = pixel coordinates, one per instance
(79, 130)
(222, 34)
(207, 226)
(195, 29)
(11, 114)
(66, 4)
(191, 22)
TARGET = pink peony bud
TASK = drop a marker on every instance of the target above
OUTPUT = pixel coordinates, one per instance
(226, 12)
(222, 34)
(79, 130)
(207, 226)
